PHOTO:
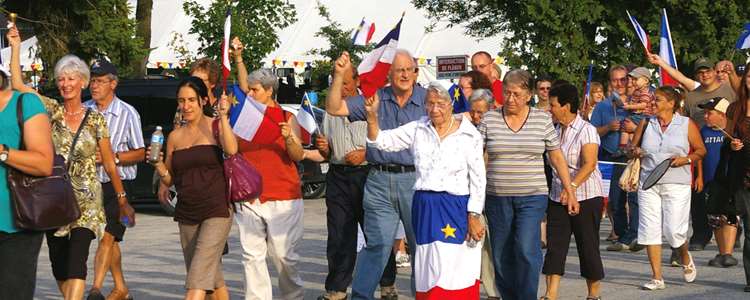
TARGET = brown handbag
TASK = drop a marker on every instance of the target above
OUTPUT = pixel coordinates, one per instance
(43, 203)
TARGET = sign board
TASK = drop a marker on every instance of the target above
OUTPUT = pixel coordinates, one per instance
(451, 67)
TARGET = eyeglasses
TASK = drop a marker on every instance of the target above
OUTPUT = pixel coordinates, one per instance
(544, 88)
(508, 95)
(100, 81)
(405, 70)
(438, 105)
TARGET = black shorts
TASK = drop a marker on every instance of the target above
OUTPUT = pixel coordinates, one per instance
(69, 254)
(112, 209)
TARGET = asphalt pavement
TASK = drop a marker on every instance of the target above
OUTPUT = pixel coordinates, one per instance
(154, 266)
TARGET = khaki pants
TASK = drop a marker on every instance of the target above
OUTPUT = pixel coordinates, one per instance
(202, 245)
(275, 226)
(487, 275)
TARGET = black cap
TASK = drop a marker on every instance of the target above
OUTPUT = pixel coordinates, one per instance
(102, 67)
(703, 63)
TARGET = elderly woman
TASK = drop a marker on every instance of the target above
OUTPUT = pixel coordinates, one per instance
(448, 198)
(580, 146)
(19, 249)
(515, 137)
(481, 100)
(194, 164)
(273, 222)
(664, 209)
(69, 245)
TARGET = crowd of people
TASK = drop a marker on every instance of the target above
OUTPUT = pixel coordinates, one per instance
(496, 185)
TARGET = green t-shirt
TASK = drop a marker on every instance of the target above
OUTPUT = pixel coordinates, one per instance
(10, 136)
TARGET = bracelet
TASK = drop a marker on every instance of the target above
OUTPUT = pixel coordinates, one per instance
(574, 185)
(121, 195)
(474, 215)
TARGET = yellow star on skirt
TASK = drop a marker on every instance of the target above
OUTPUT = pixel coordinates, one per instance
(449, 231)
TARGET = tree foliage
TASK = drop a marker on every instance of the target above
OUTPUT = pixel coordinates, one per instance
(255, 22)
(561, 37)
(88, 29)
(339, 40)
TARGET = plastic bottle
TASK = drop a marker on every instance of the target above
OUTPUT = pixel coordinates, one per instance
(157, 140)
(125, 221)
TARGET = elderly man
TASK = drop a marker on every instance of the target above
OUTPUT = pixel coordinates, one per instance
(126, 138)
(390, 181)
(482, 62)
(607, 117)
(541, 97)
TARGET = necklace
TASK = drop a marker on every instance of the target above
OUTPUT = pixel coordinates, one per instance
(71, 114)
(441, 136)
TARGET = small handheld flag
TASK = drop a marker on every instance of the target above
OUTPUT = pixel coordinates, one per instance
(373, 71)
(306, 120)
(226, 66)
(364, 33)
(666, 51)
(640, 33)
(587, 90)
(743, 42)
(460, 103)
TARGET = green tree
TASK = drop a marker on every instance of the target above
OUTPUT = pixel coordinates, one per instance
(255, 22)
(561, 37)
(339, 40)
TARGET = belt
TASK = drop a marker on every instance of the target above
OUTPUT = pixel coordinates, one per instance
(394, 168)
(348, 167)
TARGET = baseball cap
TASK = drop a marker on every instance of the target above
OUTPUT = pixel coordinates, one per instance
(703, 63)
(640, 72)
(102, 67)
(718, 104)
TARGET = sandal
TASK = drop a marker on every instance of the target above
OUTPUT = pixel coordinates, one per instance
(594, 298)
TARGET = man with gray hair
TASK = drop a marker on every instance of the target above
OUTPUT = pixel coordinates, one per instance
(390, 181)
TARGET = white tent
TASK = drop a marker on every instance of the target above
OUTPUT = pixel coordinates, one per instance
(28, 55)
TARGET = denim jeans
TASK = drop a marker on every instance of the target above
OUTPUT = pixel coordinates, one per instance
(388, 198)
(19, 253)
(516, 243)
(625, 225)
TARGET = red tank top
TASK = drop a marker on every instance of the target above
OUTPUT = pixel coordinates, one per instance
(267, 152)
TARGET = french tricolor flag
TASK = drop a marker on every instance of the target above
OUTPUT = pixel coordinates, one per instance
(640, 33)
(226, 66)
(306, 120)
(666, 51)
(373, 70)
(364, 33)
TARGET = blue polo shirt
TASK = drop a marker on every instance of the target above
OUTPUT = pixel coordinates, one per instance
(390, 116)
(604, 113)
(713, 139)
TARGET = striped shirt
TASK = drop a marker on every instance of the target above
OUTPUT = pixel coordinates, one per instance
(515, 165)
(578, 134)
(125, 134)
(344, 137)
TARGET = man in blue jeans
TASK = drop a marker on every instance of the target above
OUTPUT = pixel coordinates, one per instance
(390, 182)
(607, 117)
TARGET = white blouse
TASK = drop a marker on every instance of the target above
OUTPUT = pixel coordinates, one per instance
(455, 165)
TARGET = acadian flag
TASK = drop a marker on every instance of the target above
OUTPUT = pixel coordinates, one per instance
(606, 167)
(226, 66)
(743, 42)
(640, 33)
(364, 33)
(444, 266)
(246, 116)
(460, 103)
(587, 88)
(373, 71)
(666, 51)
(306, 120)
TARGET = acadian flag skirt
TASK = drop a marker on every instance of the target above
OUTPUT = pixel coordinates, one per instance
(445, 267)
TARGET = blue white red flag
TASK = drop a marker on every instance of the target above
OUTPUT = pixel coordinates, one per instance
(743, 42)
(606, 167)
(226, 66)
(587, 89)
(640, 33)
(666, 51)
(364, 33)
(306, 120)
(246, 116)
(373, 70)
(460, 103)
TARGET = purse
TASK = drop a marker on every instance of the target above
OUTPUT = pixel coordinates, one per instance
(631, 176)
(244, 182)
(43, 203)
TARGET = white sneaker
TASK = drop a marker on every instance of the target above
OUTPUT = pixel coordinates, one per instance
(654, 284)
(402, 260)
(689, 271)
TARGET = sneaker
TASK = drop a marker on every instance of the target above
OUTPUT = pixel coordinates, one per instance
(674, 259)
(617, 246)
(388, 293)
(654, 284)
(689, 271)
(333, 295)
(717, 261)
(403, 260)
(635, 247)
(729, 261)
(95, 294)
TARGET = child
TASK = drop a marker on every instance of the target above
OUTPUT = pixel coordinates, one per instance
(642, 102)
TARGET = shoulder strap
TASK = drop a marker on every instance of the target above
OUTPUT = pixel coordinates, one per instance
(215, 130)
(75, 138)
(19, 117)
(643, 132)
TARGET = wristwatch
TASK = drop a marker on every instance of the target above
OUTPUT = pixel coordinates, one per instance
(117, 159)
(690, 161)
(4, 153)
(474, 215)
(574, 185)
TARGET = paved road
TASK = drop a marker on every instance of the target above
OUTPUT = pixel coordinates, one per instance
(155, 268)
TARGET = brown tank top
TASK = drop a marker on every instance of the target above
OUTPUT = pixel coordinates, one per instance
(201, 186)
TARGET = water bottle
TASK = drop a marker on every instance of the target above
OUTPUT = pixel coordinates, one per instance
(125, 221)
(157, 140)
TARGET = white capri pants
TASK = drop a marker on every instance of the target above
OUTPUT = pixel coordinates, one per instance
(664, 209)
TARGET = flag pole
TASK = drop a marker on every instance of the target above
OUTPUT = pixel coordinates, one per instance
(731, 55)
